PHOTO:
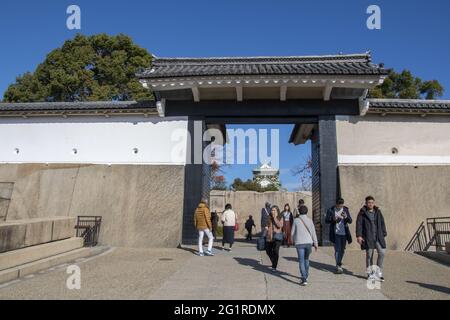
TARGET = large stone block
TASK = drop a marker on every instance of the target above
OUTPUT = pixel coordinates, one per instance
(247, 203)
(18, 234)
(18, 257)
(38, 231)
(12, 236)
(63, 228)
(141, 205)
(407, 195)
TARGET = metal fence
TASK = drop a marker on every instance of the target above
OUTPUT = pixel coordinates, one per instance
(419, 241)
(438, 235)
(438, 232)
(88, 227)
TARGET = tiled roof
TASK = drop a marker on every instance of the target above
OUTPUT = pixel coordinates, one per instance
(38, 108)
(409, 105)
(355, 64)
(76, 106)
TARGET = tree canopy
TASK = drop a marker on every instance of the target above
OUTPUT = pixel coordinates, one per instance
(406, 86)
(86, 68)
(250, 185)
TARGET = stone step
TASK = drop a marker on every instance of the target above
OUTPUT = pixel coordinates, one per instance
(46, 263)
(17, 234)
(19, 257)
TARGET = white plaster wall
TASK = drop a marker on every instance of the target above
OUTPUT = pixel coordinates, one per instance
(370, 140)
(97, 140)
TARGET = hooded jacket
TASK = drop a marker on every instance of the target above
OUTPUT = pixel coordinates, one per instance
(202, 217)
(364, 228)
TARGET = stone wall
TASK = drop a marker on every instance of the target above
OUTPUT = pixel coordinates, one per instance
(407, 195)
(247, 203)
(141, 205)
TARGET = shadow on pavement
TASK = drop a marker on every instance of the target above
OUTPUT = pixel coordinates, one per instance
(431, 287)
(326, 267)
(261, 268)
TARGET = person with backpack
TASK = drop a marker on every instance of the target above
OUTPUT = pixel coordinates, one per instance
(202, 222)
(265, 215)
(371, 233)
(249, 224)
(304, 236)
(339, 218)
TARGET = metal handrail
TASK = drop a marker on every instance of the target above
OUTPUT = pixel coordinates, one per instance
(438, 235)
(88, 227)
(439, 232)
(419, 241)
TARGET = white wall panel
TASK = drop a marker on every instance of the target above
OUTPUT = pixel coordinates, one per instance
(97, 140)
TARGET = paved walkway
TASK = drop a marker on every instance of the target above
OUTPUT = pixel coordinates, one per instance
(124, 273)
(179, 274)
(244, 274)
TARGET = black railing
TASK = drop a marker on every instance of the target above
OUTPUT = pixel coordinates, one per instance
(438, 232)
(88, 227)
(438, 235)
(419, 241)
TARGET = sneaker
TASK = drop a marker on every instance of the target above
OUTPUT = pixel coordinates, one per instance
(222, 248)
(339, 270)
(380, 277)
(209, 253)
(304, 283)
(201, 254)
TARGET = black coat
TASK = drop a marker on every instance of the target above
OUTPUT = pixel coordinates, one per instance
(364, 229)
(330, 219)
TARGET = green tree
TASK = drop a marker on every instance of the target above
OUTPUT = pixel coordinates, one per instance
(86, 68)
(250, 185)
(405, 86)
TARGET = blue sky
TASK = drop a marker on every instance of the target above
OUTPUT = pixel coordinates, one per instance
(414, 35)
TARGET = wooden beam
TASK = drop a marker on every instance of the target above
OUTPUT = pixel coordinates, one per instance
(239, 93)
(196, 94)
(327, 92)
(283, 93)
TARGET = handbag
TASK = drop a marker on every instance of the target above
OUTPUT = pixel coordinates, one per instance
(277, 236)
(261, 244)
(236, 227)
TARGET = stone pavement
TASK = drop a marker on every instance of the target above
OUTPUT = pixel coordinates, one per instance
(179, 274)
(244, 273)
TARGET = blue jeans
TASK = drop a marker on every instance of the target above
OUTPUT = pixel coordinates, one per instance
(303, 252)
(339, 248)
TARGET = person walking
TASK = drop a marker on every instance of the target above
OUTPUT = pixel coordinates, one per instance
(214, 223)
(301, 202)
(371, 233)
(202, 222)
(339, 218)
(249, 224)
(288, 220)
(304, 235)
(265, 215)
(229, 223)
(274, 236)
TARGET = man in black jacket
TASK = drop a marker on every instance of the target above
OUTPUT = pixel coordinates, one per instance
(371, 233)
(339, 218)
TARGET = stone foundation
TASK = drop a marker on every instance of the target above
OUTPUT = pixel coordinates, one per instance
(407, 195)
(141, 205)
(247, 203)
